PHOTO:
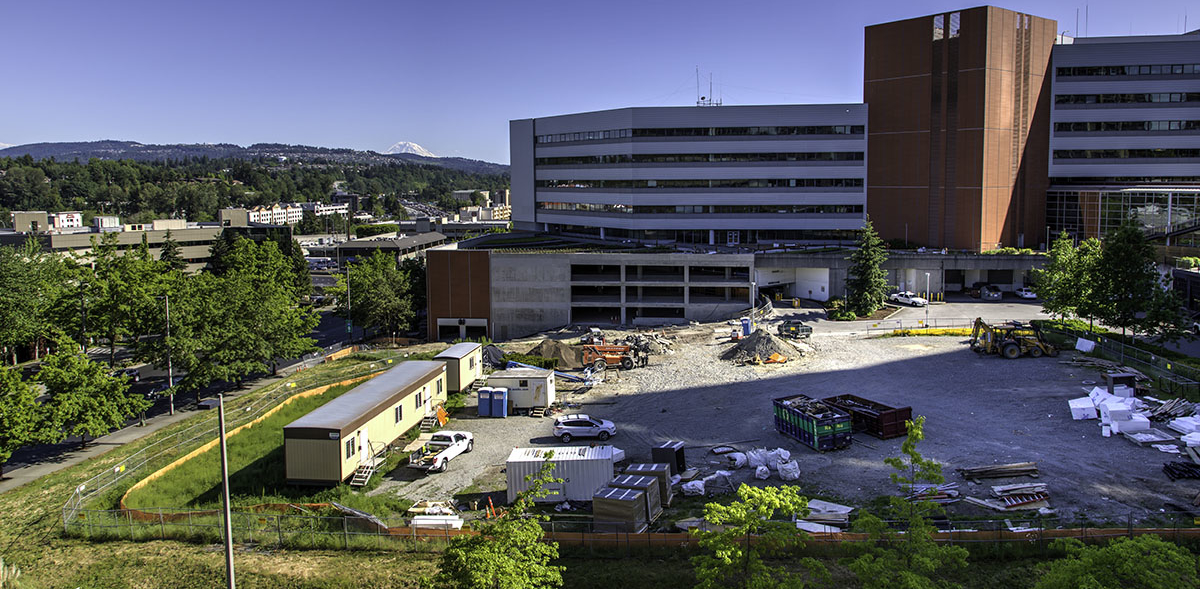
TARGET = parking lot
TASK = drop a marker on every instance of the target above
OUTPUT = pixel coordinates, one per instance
(980, 411)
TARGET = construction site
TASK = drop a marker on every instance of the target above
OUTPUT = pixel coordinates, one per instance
(720, 404)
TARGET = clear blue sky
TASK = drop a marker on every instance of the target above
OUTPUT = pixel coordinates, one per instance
(447, 74)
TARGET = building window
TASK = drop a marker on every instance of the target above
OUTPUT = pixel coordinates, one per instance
(524, 384)
(349, 448)
(420, 399)
(955, 19)
(399, 413)
(939, 27)
(439, 386)
(470, 363)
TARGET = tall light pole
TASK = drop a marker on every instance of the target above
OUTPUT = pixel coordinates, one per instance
(170, 373)
(928, 294)
(229, 579)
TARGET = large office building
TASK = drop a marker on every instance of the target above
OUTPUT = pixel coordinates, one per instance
(959, 105)
(726, 175)
(1125, 135)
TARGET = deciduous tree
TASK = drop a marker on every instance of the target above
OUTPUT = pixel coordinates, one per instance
(22, 419)
(1143, 562)
(749, 532)
(84, 399)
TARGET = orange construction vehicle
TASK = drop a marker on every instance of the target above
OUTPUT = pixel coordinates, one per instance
(600, 357)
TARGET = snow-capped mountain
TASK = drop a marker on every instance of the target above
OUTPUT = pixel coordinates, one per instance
(3, 145)
(409, 147)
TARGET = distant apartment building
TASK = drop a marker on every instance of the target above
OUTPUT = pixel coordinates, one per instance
(466, 195)
(277, 214)
(321, 209)
(493, 213)
(66, 220)
(106, 223)
(693, 175)
(1125, 135)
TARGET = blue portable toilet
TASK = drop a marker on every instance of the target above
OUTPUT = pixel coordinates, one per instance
(747, 325)
(485, 402)
(499, 402)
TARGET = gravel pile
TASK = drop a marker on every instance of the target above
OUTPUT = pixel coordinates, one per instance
(759, 345)
(568, 356)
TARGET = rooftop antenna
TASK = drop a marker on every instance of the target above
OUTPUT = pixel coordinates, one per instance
(705, 100)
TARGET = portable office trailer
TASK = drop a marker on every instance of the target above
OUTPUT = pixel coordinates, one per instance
(527, 387)
(645, 484)
(618, 510)
(328, 445)
(583, 469)
(464, 365)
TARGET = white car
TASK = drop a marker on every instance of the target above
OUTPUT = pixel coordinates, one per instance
(908, 297)
(567, 427)
(1025, 292)
(436, 454)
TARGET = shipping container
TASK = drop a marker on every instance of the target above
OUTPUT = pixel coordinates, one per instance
(499, 402)
(670, 452)
(584, 470)
(485, 402)
(645, 484)
(877, 419)
(618, 510)
(814, 423)
(660, 471)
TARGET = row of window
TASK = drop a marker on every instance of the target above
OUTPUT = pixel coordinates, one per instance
(1128, 70)
(689, 158)
(1072, 154)
(702, 209)
(1127, 98)
(1129, 126)
(724, 183)
(703, 132)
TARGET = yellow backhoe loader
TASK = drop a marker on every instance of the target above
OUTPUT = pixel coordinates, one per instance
(1011, 340)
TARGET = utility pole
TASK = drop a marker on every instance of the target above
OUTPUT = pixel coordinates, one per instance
(229, 578)
(170, 375)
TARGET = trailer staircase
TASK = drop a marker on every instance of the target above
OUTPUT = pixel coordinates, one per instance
(429, 423)
(366, 470)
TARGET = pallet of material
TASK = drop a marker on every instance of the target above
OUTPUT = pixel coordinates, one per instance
(1000, 505)
(1181, 470)
(1000, 471)
(1150, 436)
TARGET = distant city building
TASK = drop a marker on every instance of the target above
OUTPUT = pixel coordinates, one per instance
(493, 213)
(106, 223)
(1125, 134)
(66, 220)
(30, 221)
(321, 209)
(277, 214)
(465, 195)
(726, 175)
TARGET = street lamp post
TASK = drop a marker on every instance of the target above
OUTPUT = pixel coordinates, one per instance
(928, 295)
(170, 373)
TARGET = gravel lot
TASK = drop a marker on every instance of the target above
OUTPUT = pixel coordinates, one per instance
(980, 411)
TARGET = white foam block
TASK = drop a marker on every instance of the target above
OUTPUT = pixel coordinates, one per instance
(1082, 408)
(1185, 425)
(1123, 391)
(1192, 439)
(1135, 423)
(1115, 410)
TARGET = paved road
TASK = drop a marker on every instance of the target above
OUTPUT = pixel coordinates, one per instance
(957, 311)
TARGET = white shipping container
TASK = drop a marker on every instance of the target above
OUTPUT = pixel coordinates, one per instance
(583, 469)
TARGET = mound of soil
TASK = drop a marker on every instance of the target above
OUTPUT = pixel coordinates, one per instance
(569, 357)
(761, 344)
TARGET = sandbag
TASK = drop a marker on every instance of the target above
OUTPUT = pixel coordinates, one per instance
(736, 459)
(693, 488)
(789, 470)
(761, 473)
(757, 457)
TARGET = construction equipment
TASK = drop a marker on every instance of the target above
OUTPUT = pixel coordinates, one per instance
(600, 357)
(593, 336)
(1011, 340)
(795, 329)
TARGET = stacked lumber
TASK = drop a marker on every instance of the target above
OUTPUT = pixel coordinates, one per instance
(1171, 409)
(1014, 497)
(1104, 365)
(941, 494)
(1000, 471)
(1181, 470)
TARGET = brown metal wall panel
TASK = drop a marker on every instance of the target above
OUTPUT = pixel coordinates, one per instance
(458, 285)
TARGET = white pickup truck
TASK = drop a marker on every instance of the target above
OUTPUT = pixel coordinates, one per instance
(436, 454)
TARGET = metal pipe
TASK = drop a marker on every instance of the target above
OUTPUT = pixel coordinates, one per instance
(229, 577)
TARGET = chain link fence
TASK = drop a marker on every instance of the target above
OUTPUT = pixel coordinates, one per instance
(1168, 375)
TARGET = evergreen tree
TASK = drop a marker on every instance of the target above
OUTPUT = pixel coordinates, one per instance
(866, 283)
(169, 253)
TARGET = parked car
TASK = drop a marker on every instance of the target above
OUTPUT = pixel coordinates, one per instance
(134, 374)
(975, 289)
(1025, 292)
(794, 328)
(990, 292)
(567, 427)
(908, 297)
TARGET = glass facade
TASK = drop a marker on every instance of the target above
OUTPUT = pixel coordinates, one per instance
(718, 183)
(702, 209)
(1096, 211)
(610, 134)
(1122, 154)
(1128, 70)
(1125, 126)
(696, 158)
(1138, 98)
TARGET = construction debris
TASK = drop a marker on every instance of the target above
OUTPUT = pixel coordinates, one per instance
(1170, 409)
(1147, 437)
(1181, 470)
(758, 347)
(826, 512)
(1000, 471)
(1104, 366)
(569, 357)
(941, 494)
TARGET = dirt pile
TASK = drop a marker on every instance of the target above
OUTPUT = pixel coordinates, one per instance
(568, 356)
(760, 344)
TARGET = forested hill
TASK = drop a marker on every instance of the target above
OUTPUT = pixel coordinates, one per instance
(118, 150)
(195, 188)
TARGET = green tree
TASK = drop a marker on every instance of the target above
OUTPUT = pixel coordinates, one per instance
(1089, 301)
(1127, 279)
(84, 399)
(22, 419)
(34, 283)
(1055, 283)
(125, 286)
(381, 293)
(911, 560)
(734, 560)
(170, 254)
(508, 553)
(1143, 562)
(866, 282)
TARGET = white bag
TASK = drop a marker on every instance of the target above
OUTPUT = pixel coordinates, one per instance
(736, 459)
(761, 473)
(789, 470)
(757, 457)
(774, 457)
(693, 488)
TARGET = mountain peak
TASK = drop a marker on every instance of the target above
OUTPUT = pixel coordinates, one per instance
(3, 145)
(409, 147)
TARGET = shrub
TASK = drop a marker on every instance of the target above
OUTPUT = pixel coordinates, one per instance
(842, 315)
(361, 231)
